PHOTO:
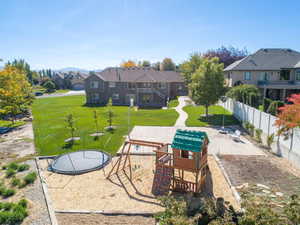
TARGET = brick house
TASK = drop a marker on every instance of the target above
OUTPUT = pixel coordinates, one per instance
(69, 80)
(275, 71)
(147, 86)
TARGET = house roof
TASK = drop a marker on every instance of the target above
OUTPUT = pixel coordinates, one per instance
(189, 140)
(138, 74)
(267, 59)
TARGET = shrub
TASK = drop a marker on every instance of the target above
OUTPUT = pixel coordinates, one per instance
(258, 133)
(30, 178)
(15, 181)
(270, 140)
(10, 172)
(49, 85)
(23, 202)
(251, 129)
(8, 192)
(23, 167)
(13, 166)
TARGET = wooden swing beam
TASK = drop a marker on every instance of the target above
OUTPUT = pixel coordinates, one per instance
(116, 167)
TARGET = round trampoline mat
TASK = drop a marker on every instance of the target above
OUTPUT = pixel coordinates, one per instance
(80, 162)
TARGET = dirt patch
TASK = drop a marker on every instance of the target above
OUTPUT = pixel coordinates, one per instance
(96, 219)
(17, 143)
(261, 170)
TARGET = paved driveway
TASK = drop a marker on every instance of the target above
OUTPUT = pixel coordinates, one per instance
(219, 143)
(69, 93)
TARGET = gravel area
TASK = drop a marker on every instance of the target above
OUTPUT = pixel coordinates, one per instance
(38, 214)
(96, 219)
(33, 193)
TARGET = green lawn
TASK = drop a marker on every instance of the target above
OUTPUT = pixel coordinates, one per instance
(50, 132)
(173, 103)
(195, 118)
(6, 123)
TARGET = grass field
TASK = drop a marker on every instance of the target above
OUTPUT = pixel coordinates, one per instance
(196, 119)
(50, 132)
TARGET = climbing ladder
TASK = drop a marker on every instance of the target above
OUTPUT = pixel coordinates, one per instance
(162, 180)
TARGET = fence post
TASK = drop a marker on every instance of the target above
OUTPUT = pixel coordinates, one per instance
(269, 124)
(253, 115)
(259, 120)
(292, 140)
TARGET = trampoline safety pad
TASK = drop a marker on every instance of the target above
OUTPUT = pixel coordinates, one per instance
(80, 162)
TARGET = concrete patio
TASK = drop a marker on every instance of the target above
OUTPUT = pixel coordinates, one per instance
(219, 143)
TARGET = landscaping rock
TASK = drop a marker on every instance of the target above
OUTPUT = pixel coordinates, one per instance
(280, 194)
(262, 186)
(266, 191)
(97, 134)
(72, 139)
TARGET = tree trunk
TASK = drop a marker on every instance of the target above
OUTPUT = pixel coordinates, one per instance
(206, 111)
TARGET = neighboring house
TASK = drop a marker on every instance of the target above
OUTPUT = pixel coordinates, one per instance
(69, 80)
(276, 72)
(147, 86)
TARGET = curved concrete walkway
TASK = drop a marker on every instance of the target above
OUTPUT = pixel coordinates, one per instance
(180, 122)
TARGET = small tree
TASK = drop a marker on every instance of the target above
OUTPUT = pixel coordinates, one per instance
(128, 64)
(70, 125)
(49, 85)
(270, 140)
(110, 113)
(207, 84)
(96, 120)
(289, 116)
(258, 133)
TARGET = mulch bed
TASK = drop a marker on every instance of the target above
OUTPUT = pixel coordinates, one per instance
(260, 170)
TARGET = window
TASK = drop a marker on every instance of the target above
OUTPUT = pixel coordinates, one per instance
(146, 98)
(146, 85)
(112, 84)
(264, 76)
(95, 97)
(284, 75)
(115, 96)
(179, 87)
(162, 85)
(94, 84)
(131, 85)
(247, 75)
(297, 75)
(186, 154)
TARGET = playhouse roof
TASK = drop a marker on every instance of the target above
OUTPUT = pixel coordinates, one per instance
(189, 140)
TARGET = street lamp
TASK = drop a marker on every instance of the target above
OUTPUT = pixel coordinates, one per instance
(223, 131)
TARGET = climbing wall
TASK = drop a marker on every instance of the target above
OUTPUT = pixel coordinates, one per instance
(162, 180)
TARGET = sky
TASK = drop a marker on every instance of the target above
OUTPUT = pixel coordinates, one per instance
(94, 34)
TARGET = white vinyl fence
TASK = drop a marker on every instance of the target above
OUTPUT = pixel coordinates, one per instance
(289, 148)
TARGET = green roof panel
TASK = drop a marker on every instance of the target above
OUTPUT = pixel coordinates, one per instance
(189, 140)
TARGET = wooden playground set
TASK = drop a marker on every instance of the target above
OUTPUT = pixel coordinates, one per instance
(180, 166)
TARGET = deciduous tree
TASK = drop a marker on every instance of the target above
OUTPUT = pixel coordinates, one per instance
(246, 93)
(167, 65)
(15, 92)
(189, 67)
(289, 115)
(128, 63)
(227, 55)
(207, 83)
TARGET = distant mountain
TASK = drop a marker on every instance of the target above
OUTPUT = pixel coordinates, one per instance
(74, 69)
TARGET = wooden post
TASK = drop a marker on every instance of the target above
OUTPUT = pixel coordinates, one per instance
(197, 174)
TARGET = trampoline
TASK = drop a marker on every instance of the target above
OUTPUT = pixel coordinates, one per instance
(79, 162)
